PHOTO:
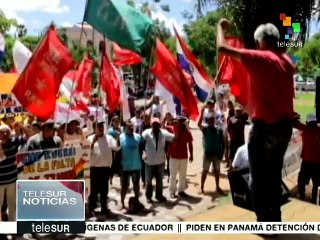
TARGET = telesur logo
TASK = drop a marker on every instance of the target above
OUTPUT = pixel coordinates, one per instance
(293, 29)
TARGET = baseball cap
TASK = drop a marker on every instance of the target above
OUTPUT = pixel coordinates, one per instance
(311, 118)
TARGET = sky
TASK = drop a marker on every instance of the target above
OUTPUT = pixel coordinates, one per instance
(36, 14)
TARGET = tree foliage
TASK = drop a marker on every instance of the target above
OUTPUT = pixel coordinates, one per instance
(309, 57)
(202, 39)
(6, 23)
(248, 14)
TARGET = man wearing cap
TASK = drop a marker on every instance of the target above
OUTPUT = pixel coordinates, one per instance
(310, 166)
(213, 144)
(46, 139)
(155, 140)
(181, 150)
(271, 110)
(102, 146)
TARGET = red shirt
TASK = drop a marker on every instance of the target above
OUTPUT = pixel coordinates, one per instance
(179, 147)
(311, 145)
(270, 85)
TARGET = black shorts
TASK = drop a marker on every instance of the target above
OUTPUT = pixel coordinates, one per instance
(125, 178)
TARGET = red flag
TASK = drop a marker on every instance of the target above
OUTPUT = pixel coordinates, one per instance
(37, 87)
(110, 83)
(234, 73)
(124, 56)
(171, 76)
(83, 77)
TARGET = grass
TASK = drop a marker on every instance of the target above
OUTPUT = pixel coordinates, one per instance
(304, 104)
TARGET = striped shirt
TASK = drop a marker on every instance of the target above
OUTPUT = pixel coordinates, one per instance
(8, 167)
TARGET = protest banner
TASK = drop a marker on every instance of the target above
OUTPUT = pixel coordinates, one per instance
(57, 164)
(9, 104)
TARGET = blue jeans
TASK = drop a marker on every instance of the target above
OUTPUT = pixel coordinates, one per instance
(266, 148)
(156, 171)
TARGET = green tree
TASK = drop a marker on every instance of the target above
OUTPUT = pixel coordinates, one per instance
(202, 39)
(30, 42)
(7, 64)
(248, 14)
(309, 57)
(6, 23)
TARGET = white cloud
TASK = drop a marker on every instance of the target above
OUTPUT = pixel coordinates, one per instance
(187, 1)
(66, 24)
(52, 6)
(168, 21)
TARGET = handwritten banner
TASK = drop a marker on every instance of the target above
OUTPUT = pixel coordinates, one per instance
(58, 164)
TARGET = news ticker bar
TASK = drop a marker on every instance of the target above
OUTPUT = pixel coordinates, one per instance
(58, 227)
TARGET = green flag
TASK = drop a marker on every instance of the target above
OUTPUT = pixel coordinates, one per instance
(119, 22)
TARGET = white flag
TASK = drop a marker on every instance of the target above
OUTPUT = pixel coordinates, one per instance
(21, 55)
(165, 95)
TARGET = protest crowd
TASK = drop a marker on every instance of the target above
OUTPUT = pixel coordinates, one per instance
(135, 144)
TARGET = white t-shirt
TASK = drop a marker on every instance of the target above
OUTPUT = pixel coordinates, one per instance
(136, 123)
(241, 159)
(101, 154)
(156, 109)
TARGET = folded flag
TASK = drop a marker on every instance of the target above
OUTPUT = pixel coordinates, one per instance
(203, 82)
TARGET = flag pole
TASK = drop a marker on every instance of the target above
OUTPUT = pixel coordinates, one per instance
(148, 76)
(103, 53)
